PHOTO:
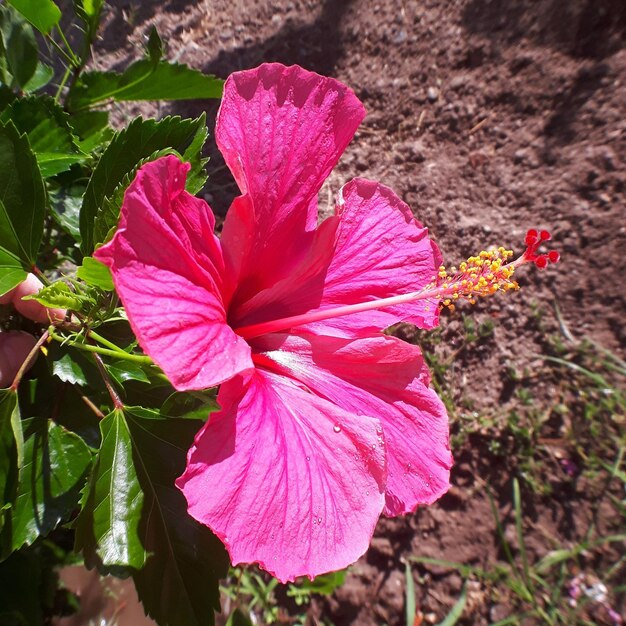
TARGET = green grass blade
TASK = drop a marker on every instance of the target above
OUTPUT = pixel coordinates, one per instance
(457, 610)
(410, 595)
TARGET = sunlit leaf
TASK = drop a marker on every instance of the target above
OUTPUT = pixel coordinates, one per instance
(144, 80)
(42, 14)
(54, 470)
(122, 371)
(109, 521)
(96, 274)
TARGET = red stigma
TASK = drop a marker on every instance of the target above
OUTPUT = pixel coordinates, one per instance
(533, 240)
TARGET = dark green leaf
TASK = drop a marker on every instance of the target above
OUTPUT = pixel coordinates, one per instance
(42, 14)
(238, 618)
(65, 205)
(179, 583)
(11, 450)
(122, 371)
(19, 49)
(96, 274)
(155, 46)
(72, 366)
(20, 590)
(54, 470)
(115, 169)
(190, 405)
(144, 80)
(42, 76)
(22, 195)
(48, 130)
(107, 219)
(109, 521)
(92, 130)
(6, 95)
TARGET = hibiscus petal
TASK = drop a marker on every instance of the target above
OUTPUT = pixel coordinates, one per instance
(281, 131)
(168, 270)
(381, 251)
(286, 479)
(378, 250)
(383, 377)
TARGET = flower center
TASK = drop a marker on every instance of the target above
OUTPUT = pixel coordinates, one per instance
(481, 275)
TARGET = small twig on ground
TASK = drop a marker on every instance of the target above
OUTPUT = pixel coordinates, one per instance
(478, 126)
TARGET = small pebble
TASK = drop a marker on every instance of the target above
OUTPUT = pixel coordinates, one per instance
(432, 94)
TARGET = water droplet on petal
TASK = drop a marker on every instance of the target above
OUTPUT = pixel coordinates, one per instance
(319, 520)
(337, 428)
(367, 493)
(308, 458)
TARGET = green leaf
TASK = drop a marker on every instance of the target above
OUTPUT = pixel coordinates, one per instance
(42, 76)
(89, 12)
(116, 167)
(238, 618)
(179, 584)
(65, 205)
(19, 50)
(11, 272)
(42, 14)
(48, 130)
(55, 468)
(91, 129)
(197, 175)
(21, 579)
(11, 450)
(155, 46)
(72, 366)
(109, 522)
(122, 371)
(190, 405)
(95, 273)
(22, 197)
(6, 95)
(144, 80)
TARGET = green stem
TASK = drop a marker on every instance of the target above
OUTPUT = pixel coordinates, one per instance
(119, 354)
(68, 73)
(76, 61)
(60, 50)
(106, 343)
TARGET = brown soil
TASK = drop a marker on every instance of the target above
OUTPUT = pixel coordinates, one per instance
(488, 117)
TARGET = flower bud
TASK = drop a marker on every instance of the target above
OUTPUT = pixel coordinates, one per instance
(31, 308)
(14, 348)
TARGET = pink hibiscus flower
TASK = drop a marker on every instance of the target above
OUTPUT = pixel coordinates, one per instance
(325, 422)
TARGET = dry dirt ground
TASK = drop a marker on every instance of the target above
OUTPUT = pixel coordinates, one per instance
(487, 117)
